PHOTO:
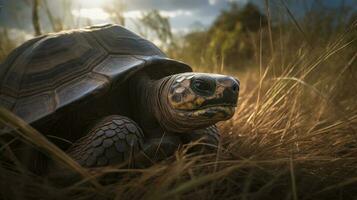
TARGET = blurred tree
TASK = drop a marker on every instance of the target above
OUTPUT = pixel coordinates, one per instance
(157, 25)
(62, 20)
(326, 20)
(191, 48)
(197, 26)
(116, 11)
(249, 17)
(230, 35)
(67, 16)
(6, 44)
(35, 18)
(229, 40)
(56, 23)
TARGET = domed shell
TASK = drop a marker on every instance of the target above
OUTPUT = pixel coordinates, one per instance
(56, 71)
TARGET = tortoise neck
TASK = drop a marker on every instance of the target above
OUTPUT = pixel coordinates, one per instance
(145, 96)
(168, 118)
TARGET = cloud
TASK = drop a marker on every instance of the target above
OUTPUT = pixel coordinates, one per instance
(176, 13)
(212, 2)
(133, 14)
(166, 4)
(91, 13)
(99, 14)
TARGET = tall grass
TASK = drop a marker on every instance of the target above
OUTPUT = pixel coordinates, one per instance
(293, 137)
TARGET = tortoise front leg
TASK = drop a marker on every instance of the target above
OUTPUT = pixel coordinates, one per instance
(208, 138)
(160, 148)
(114, 140)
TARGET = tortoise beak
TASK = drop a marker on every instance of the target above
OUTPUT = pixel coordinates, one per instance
(231, 91)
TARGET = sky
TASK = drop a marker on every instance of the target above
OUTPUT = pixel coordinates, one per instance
(183, 14)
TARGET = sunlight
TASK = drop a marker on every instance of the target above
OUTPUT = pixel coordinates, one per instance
(100, 14)
(134, 14)
(91, 13)
(175, 13)
(137, 14)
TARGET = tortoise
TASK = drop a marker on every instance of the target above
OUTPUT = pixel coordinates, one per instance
(112, 95)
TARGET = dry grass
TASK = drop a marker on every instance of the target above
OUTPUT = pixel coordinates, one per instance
(293, 137)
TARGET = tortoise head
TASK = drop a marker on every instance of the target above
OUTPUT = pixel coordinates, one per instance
(197, 100)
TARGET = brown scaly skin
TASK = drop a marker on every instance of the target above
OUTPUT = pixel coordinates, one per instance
(169, 112)
(111, 141)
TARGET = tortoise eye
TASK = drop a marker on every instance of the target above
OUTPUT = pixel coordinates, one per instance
(203, 85)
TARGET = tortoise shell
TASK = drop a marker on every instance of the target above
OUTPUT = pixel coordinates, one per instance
(57, 71)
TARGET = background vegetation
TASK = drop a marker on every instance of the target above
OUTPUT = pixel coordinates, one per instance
(294, 133)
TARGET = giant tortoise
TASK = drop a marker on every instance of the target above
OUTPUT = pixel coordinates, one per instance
(104, 94)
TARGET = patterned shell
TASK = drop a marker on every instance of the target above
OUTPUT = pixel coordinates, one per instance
(56, 71)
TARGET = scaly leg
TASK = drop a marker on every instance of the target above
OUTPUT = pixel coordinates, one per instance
(114, 140)
(208, 138)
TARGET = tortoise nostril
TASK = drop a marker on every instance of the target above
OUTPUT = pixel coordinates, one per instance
(235, 87)
(237, 80)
